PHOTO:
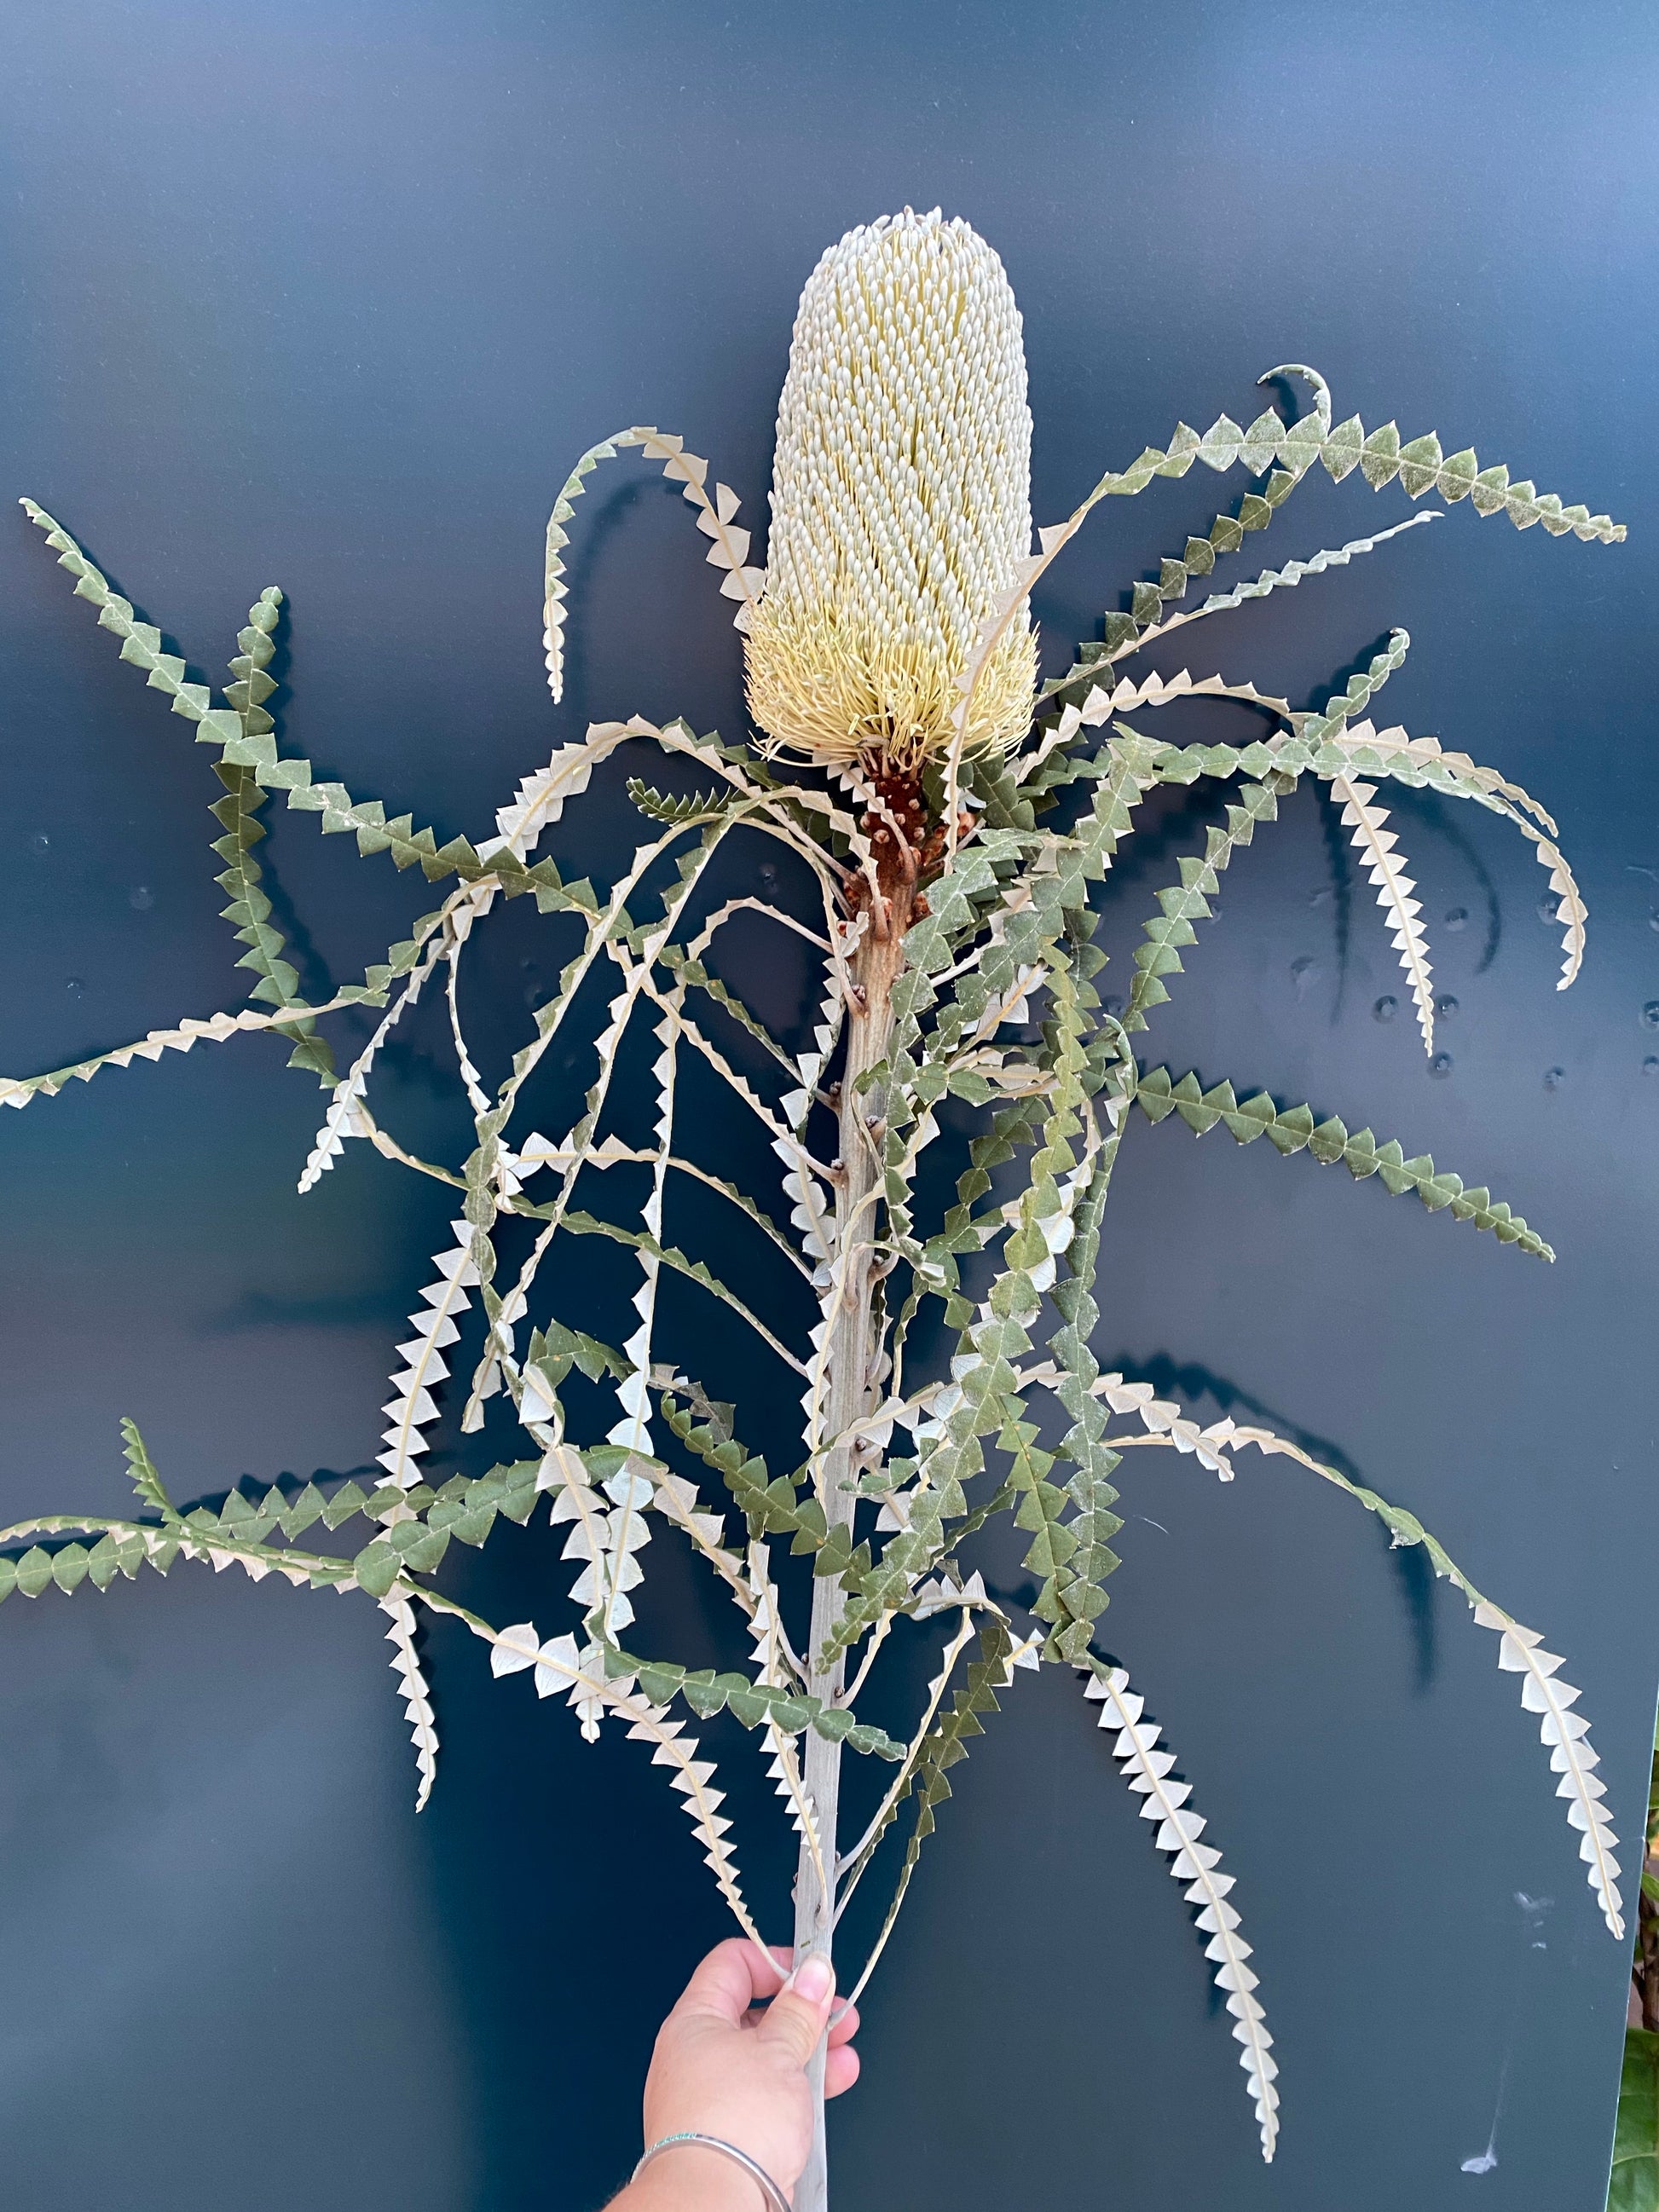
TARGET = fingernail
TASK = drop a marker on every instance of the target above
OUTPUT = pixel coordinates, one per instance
(814, 1979)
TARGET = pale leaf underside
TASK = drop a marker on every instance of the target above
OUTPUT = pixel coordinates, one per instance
(1377, 847)
(1148, 1767)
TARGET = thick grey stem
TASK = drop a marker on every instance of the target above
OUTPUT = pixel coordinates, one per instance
(852, 1351)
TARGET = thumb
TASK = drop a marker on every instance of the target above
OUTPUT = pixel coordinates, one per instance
(798, 2015)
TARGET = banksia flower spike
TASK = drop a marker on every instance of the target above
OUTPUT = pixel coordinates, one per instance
(901, 504)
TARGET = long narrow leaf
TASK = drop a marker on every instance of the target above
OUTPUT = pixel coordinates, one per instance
(1293, 1129)
(1146, 1766)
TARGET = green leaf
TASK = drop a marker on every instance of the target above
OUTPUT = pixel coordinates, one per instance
(705, 1696)
(1316, 729)
(34, 1572)
(692, 972)
(1292, 1129)
(1380, 455)
(582, 1224)
(944, 1746)
(1183, 903)
(69, 1567)
(347, 1500)
(694, 806)
(145, 1479)
(1634, 2187)
(420, 1547)
(558, 1349)
(1041, 1506)
(237, 813)
(466, 1508)
(1124, 632)
(708, 1693)
(377, 1567)
(246, 744)
(660, 1683)
(771, 1504)
(1093, 668)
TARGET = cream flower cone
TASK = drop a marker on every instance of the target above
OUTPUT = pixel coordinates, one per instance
(900, 504)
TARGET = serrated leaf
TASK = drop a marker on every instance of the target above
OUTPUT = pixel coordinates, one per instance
(1146, 1768)
(1292, 1129)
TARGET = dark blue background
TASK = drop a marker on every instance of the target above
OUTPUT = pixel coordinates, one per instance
(330, 294)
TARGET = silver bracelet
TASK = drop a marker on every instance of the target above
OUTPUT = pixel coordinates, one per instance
(776, 2199)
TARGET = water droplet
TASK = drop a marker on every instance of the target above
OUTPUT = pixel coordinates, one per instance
(1457, 917)
(1549, 909)
(1441, 1064)
(1554, 1078)
(1650, 1064)
(1115, 1008)
(1446, 1006)
(768, 877)
(1651, 1015)
(75, 986)
(1385, 1009)
(39, 842)
(141, 898)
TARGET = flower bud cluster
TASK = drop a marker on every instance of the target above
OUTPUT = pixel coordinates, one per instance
(901, 501)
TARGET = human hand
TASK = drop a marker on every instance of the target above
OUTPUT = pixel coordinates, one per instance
(719, 2069)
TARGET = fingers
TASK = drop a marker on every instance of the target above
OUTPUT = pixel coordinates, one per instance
(840, 2070)
(840, 2065)
(735, 1975)
(731, 1978)
(796, 2019)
